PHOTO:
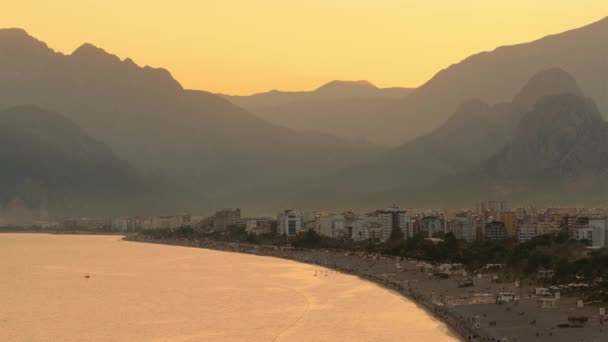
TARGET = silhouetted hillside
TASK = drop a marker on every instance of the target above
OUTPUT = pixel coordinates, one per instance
(492, 77)
(341, 108)
(562, 138)
(49, 162)
(474, 133)
(146, 117)
(334, 90)
(213, 150)
(558, 156)
(497, 75)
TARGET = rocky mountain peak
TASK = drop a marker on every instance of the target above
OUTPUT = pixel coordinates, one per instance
(554, 81)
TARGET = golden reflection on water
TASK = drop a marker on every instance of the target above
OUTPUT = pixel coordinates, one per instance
(145, 292)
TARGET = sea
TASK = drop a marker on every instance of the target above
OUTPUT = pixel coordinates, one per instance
(102, 288)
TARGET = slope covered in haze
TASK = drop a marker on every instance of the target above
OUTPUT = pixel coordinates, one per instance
(558, 156)
(341, 108)
(474, 133)
(491, 77)
(334, 90)
(562, 138)
(49, 162)
(147, 118)
(497, 75)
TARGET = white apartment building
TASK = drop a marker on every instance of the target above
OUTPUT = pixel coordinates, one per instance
(333, 226)
(258, 226)
(599, 227)
(363, 226)
(290, 222)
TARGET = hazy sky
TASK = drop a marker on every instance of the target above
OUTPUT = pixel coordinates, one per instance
(246, 46)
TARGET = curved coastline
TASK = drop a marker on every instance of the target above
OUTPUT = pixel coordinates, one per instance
(102, 287)
(344, 262)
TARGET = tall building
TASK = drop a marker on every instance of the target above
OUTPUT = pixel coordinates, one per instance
(503, 206)
(464, 228)
(599, 226)
(430, 225)
(290, 222)
(548, 226)
(225, 218)
(333, 226)
(510, 221)
(394, 218)
(495, 231)
(364, 226)
(527, 231)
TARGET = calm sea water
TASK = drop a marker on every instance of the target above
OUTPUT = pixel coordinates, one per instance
(145, 292)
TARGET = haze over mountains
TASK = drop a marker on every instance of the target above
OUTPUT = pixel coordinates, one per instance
(474, 132)
(47, 161)
(492, 77)
(496, 76)
(473, 123)
(558, 156)
(193, 137)
(341, 108)
(440, 167)
(334, 90)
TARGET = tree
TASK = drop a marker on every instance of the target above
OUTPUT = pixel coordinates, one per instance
(396, 235)
(308, 239)
(396, 243)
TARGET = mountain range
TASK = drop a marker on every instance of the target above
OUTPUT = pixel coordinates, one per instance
(341, 108)
(49, 162)
(450, 166)
(513, 123)
(492, 77)
(203, 142)
(558, 155)
(471, 135)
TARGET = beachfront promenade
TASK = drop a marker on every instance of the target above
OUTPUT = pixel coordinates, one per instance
(519, 320)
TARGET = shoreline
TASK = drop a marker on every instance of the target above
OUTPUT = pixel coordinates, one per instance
(520, 320)
(412, 295)
(59, 232)
(442, 297)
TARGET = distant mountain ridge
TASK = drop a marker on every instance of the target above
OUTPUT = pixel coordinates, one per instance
(49, 162)
(563, 137)
(492, 77)
(558, 156)
(341, 108)
(448, 166)
(461, 133)
(474, 133)
(334, 90)
(496, 76)
(197, 138)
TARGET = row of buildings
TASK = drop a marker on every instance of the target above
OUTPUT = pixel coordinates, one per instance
(489, 221)
(375, 226)
(492, 221)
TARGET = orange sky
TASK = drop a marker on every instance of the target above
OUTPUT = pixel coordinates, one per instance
(246, 46)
